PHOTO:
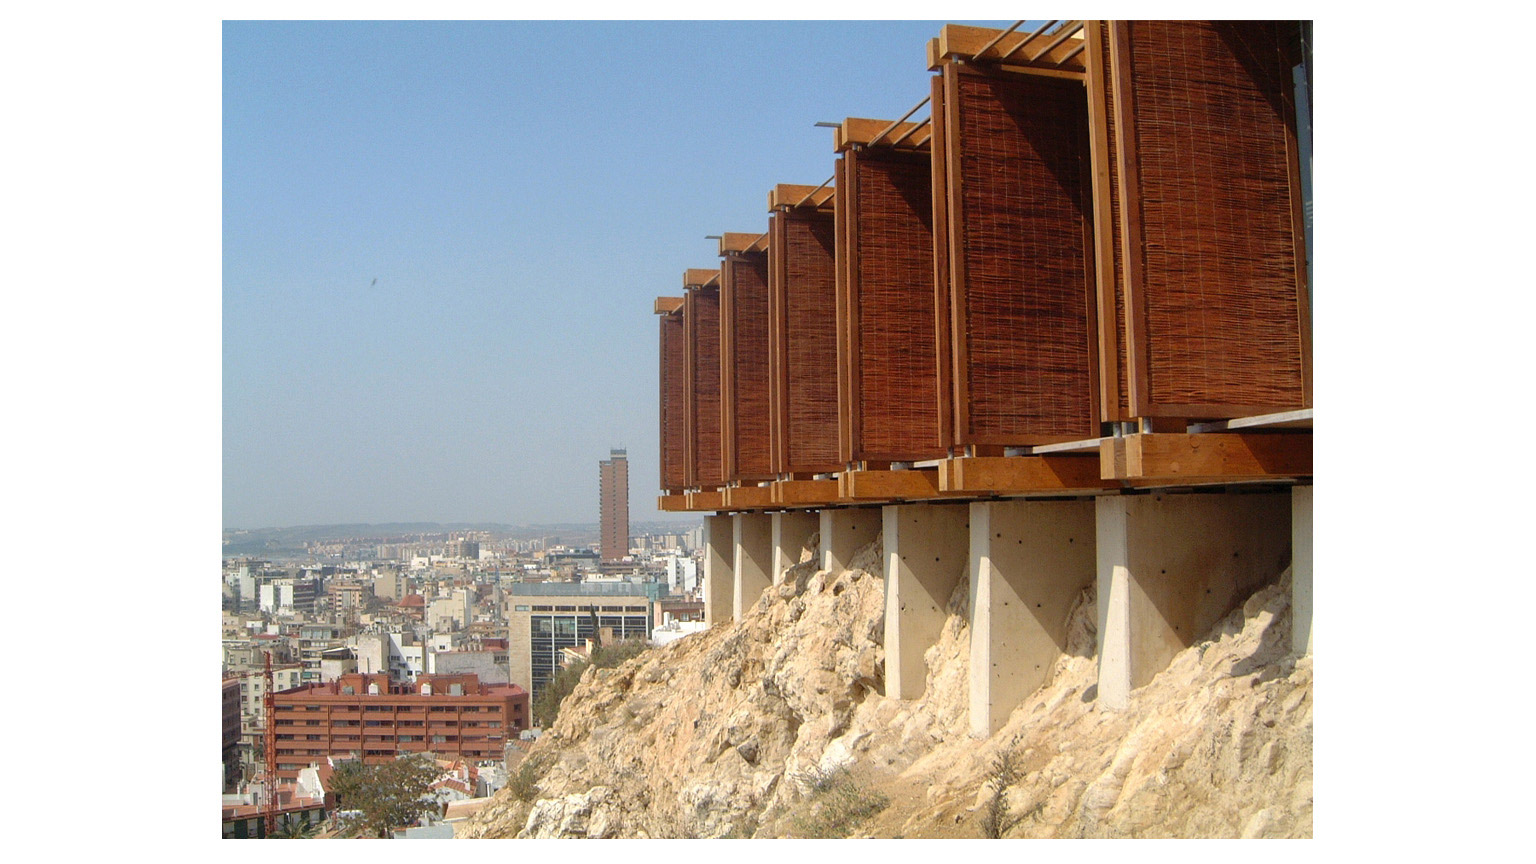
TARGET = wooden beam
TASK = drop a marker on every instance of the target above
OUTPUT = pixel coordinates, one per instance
(802, 493)
(889, 485)
(697, 278)
(1281, 420)
(668, 305)
(672, 503)
(790, 194)
(1011, 474)
(860, 130)
(1087, 445)
(735, 241)
(962, 42)
(745, 497)
(711, 500)
(1208, 457)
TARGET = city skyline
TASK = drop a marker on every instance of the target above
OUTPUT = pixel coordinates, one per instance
(439, 258)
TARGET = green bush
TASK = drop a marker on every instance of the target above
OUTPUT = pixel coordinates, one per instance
(836, 805)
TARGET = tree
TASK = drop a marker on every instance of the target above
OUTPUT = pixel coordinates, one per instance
(385, 796)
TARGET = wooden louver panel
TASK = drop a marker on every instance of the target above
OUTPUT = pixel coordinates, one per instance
(674, 393)
(1216, 292)
(1021, 266)
(804, 290)
(892, 383)
(706, 468)
(744, 304)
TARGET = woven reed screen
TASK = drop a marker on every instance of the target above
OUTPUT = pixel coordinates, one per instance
(893, 386)
(1209, 127)
(706, 468)
(744, 297)
(1021, 274)
(804, 283)
(674, 393)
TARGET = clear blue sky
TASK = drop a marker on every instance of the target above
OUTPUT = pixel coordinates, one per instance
(520, 191)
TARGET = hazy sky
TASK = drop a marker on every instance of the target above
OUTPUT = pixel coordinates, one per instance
(442, 241)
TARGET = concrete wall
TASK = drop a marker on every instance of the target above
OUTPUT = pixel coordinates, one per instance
(1029, 561)
(754, 559)
(1301, 569)
(791, 530)
(925, 559)
(719, 566)
(1170, 566)
(845, 531)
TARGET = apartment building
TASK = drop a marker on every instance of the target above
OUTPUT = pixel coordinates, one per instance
(368, 717)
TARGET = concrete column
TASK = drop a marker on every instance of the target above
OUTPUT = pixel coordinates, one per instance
(754, 559)
(844, 532)
(790, 531)
(1029, 560)
(925, 559)
(719, 569)
(1301, 569)
(1170, 566)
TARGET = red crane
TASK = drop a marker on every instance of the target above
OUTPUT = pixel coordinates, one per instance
(269, 705)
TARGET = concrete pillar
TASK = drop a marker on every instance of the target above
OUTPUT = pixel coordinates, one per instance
(1301, 569)
(925, 559)
(754, 559)
(1029, 560)
(790, 531)
(1170, 566)
(719, 567)
(844, 532)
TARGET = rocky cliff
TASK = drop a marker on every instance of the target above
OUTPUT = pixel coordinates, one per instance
(775, 726)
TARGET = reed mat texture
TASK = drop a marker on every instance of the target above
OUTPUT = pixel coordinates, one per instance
(708, 467)
(1023, 223)
(674, 393)
(745, 277)
(810, 291)
(893, 296)
(1221, 291)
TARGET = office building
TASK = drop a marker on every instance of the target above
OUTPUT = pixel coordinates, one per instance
(613, 499)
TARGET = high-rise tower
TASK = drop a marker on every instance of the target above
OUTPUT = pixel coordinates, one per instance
(613, 499)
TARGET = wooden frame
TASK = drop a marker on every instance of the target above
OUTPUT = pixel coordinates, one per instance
(952, 271)
(739, 466)
(852, 438)
(786, 459)
(1129, 192)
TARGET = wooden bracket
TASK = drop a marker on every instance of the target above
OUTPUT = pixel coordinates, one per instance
(1212, 457)
(668, 305)
(889, 485)
(748, 497)
(790, 195)
(861, 130)
(698, 278)
(805, 493)
(1020, 474)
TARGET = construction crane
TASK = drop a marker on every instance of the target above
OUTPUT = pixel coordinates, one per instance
(269, 705)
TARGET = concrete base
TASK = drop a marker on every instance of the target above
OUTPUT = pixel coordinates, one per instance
(1301, 569)
(1170, 566)
(1029, 560)
(719, 569)
(844, 532)
(790, 532)
(925, 559)
(754, 559)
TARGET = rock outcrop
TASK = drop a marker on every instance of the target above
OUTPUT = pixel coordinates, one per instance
(776, 726)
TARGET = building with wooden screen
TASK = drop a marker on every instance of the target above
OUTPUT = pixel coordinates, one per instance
(1055, 336)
